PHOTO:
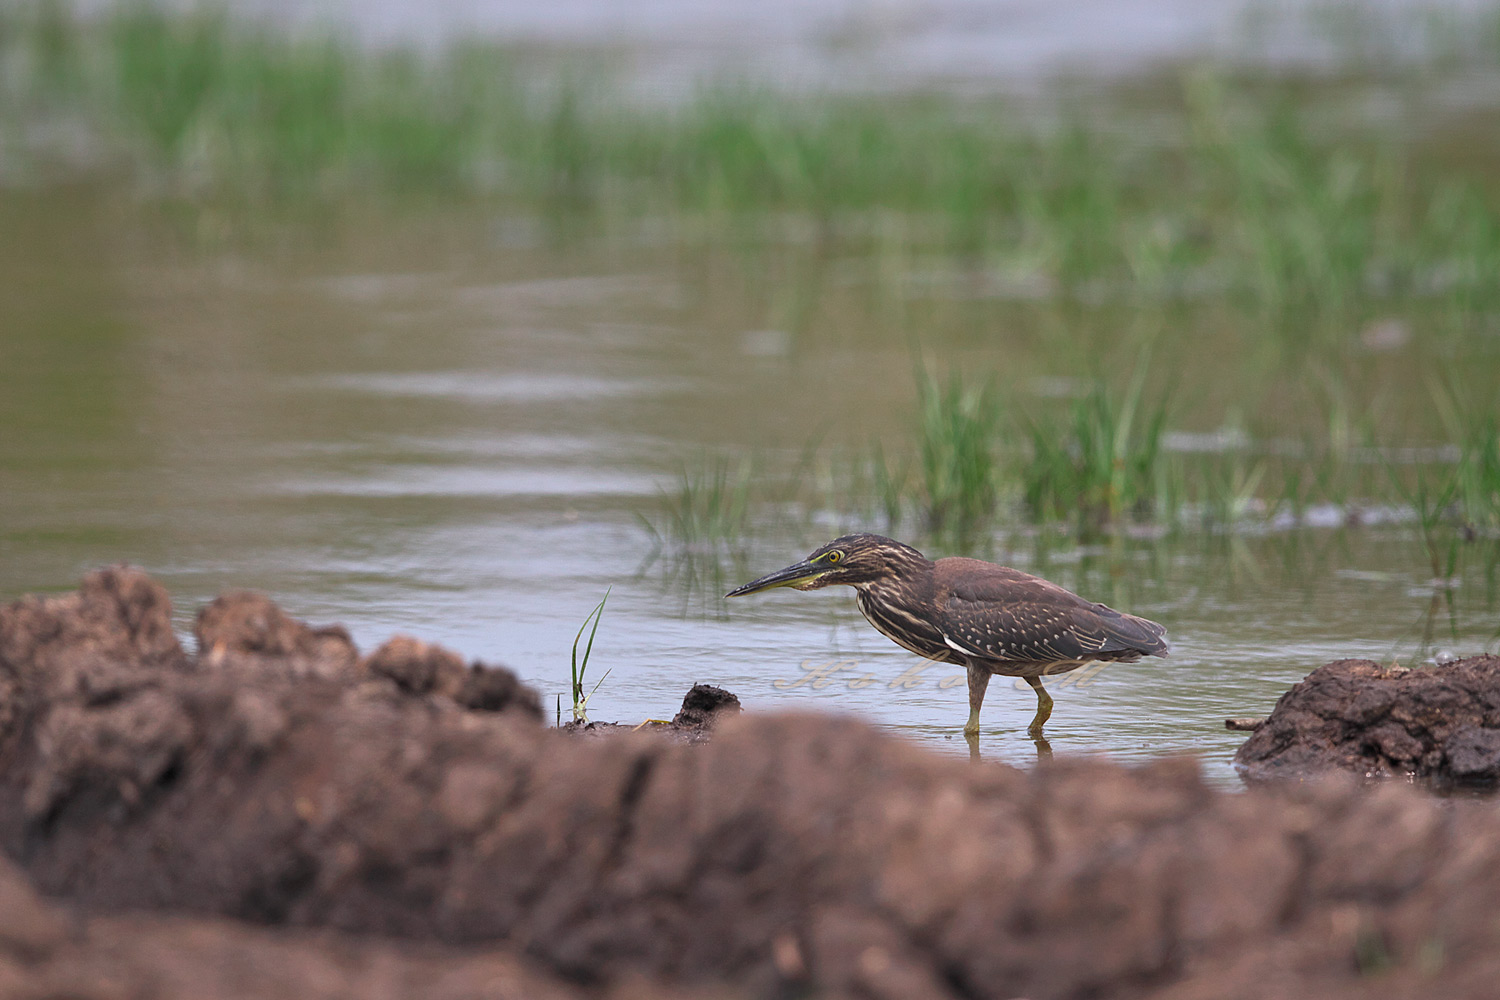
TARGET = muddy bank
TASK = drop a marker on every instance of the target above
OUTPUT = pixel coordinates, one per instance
(278, 778)
(1439, 722)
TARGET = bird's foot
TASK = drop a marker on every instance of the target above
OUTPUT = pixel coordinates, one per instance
(971, 728)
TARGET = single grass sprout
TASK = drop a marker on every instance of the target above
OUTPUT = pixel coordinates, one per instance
(581, 700)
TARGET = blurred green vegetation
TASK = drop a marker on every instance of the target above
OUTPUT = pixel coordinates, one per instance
(1227, 187)
(1291, 231)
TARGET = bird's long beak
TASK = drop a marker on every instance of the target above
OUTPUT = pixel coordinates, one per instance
(797, 575)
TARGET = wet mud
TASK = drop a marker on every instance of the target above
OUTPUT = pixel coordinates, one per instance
(274, 814)
(1439, 723)
(703, 707)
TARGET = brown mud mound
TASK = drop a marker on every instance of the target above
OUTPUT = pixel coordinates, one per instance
(1440, 722)
(703, 707)
(789, 856)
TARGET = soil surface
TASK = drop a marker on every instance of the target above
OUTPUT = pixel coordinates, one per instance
(276, 815)
(1440, 722)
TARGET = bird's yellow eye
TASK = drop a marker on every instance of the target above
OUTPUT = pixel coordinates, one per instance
(835, 556)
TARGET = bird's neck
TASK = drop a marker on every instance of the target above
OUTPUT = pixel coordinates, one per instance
(908, 578)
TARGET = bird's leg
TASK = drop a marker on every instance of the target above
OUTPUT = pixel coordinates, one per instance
(979, 679)
(1043, 706)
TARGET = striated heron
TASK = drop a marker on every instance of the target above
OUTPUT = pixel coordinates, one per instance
(990, 619)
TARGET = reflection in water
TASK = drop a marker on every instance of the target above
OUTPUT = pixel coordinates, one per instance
(1043, 747)
(473, 469)
(1042, 744)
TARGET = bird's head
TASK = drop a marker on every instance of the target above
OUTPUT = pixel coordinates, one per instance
(853, 559)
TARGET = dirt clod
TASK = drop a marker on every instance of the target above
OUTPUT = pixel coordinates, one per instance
(1440, 722)
(422, 668)
(243, 630)
(704, 704)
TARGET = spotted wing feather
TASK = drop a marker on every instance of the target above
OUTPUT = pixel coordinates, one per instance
(997, 613)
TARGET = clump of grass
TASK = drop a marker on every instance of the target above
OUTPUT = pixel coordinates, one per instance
(1228, 489)
(959, 429)
(867, 487)
(710, 508)
(580, 667)
(1099, 466)
(888, 481)
(1099, 463)
(1475, 429)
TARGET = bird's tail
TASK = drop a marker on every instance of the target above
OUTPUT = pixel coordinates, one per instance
(1140, 635)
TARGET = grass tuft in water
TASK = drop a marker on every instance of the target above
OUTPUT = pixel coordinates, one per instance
(888, 481)
(1228, 489)
(1100, 466)
(959, 430)
(580, 667)
(1474, 427)
(1099, 463)
(709, 509)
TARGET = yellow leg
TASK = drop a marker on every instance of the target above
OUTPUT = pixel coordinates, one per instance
(1043, 706)
(979, 679)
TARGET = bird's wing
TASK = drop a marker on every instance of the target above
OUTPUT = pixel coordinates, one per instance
(1000, 613)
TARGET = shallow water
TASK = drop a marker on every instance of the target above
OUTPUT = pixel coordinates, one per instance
(418, 425)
